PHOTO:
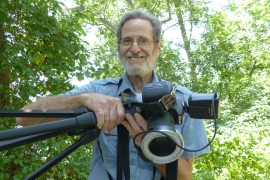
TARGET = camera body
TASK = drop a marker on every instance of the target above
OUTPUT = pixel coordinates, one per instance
(162, 143)
(159, 143)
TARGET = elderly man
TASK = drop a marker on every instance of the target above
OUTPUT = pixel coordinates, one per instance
(139, 45)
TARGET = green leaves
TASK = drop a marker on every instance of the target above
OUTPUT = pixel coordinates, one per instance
(4, 18)
(241, 148)
(41, 49)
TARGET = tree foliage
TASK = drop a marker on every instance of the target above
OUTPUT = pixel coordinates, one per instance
(43, 46)
(40, 50)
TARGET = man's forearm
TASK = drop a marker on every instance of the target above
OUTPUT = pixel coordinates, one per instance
(184, 169)
(50, 103)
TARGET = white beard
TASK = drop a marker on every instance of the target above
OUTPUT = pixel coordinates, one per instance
(138, 69)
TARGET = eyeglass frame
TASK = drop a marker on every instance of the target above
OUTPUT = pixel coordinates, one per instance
(138, 42)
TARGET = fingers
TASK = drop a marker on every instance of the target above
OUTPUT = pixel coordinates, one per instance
(108, 110)
(117, 115)
(121, 112)
(135, 124)
(141, 121)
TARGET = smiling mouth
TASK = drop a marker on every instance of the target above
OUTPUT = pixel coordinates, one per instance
(135, 58)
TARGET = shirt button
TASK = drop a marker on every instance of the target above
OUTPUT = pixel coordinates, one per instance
(132, 161)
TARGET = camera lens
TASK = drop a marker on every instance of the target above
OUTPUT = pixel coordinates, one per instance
(162, 146)
(161, 141)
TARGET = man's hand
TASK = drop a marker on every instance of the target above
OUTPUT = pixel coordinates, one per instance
(108, 110)
(135, 124)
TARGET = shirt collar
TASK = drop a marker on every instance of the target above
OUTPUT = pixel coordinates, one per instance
(126, 84)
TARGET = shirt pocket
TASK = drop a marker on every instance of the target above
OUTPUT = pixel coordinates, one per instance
(108, 144)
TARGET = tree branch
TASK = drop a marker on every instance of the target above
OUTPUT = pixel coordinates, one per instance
(132, 5)
(104, 21)
(253, 69)
(167, 29)
(169, 11)
(108, 24)
(184, 33)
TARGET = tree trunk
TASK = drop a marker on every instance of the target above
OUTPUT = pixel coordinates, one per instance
(192, 66)
(4, 73)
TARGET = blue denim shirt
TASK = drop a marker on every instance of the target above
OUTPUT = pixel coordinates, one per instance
(104, 159)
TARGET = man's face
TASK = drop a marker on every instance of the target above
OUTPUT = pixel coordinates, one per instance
(138, 52)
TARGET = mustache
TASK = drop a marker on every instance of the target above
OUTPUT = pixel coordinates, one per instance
(139, 54)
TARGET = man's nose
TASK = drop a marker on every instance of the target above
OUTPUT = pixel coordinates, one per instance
(135, 48)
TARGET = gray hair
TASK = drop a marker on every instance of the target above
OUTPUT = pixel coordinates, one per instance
(139, 14)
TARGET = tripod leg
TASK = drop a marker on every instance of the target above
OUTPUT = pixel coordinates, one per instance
(89, 136)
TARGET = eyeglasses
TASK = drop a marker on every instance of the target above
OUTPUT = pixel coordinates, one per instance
(143, 42)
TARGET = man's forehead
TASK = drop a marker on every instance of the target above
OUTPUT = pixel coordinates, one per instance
(137, 28)
(137, 22)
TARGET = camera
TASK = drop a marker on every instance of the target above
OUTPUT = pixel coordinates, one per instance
(162, 143)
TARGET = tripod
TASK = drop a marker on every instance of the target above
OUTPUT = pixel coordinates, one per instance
(80, 121)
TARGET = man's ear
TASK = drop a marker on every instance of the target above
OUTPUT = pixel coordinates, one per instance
(158, 48)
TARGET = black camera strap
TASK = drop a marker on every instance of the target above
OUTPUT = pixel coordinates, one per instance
(172, 170)
(122, 149)
(122, 153)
